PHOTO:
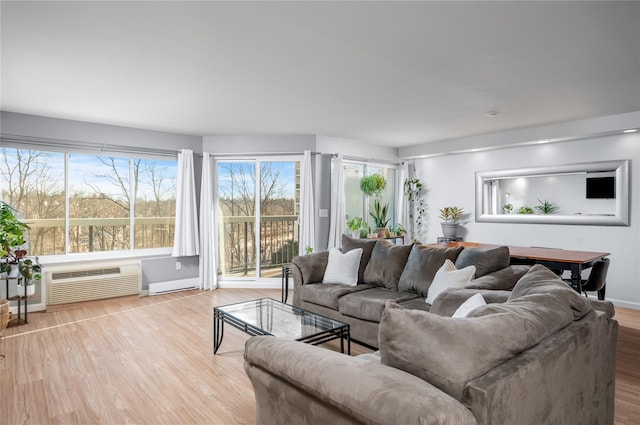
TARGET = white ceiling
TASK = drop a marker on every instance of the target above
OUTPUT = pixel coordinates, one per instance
(388, 73)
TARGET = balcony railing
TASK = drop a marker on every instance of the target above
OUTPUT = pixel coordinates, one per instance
(237, 239)
(237, 242)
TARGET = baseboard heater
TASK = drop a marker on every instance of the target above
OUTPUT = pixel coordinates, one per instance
(174, 285)
(73, 284)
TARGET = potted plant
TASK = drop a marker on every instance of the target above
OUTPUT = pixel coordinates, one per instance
(379, 215)
(398, 230)
(525, 210)
(354, 225)
(11, 238)
(373, 184)
(413, 191)
(451, 217)
(546, 207)
(30, 271)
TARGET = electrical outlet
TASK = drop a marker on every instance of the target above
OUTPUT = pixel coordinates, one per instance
(178, 265)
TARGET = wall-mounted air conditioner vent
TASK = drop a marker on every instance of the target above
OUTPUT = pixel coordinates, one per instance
(74, 284)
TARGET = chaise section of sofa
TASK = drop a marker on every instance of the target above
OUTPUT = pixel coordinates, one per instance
(543, 356)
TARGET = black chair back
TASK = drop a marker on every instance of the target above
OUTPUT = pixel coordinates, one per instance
(598, 277)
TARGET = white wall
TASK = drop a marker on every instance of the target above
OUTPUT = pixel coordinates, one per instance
(450, 180)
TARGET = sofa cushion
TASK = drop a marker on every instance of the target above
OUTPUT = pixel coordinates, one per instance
(422, 265)
(386, 264)
(448, 276)
(342, 268)
(328, 294)
(311, 266)
(369, 304)
(469, 305)
(449, 353)
(486, 260)
(415, 304)
(367, 245)
(541, 280)
(503, 279)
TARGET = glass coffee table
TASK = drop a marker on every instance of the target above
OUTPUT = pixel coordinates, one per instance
(267, 316)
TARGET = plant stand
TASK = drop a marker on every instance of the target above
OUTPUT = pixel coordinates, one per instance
(18, 320)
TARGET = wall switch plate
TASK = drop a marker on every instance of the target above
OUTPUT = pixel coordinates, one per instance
(323, 212)
(178, 265)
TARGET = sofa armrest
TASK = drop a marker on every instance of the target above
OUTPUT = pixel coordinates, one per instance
(450, 299)
(307, 269)
(299, 383)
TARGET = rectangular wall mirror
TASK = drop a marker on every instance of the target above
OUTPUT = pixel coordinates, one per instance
(593, 193)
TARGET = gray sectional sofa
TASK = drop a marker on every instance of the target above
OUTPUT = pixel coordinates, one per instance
(401, 273)
(545, 355)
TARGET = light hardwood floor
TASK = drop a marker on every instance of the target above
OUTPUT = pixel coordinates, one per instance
(150, 361)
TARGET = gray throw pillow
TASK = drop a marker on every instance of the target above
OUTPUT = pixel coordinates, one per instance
(386, 264)
(486, 260)
(421, 267)
(449, 353)
(367, 245)
(541, 280)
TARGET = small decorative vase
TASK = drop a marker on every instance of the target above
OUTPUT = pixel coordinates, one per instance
(382, 232)
(355, 234)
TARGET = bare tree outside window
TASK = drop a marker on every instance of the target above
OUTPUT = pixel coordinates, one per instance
(100, 200)
(277, 222)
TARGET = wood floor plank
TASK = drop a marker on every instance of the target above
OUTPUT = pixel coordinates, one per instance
(150, 360)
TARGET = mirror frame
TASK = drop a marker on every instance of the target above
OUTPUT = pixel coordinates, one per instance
(620, 218)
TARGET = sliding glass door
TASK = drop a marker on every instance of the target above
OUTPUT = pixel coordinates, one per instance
(258, 203)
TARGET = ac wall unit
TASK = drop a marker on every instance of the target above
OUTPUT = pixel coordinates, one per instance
(86, 283)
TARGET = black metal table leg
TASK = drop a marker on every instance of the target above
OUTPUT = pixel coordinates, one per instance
(218, 331)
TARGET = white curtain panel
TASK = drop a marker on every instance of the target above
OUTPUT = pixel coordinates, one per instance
(402, 206)
(186, 239)
(307, 214)
(337, 219)
(208, 229)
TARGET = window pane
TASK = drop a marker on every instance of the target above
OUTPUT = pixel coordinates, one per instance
(353, 196)
(155, 207)
(236, 201)
(98, 203)
(279, 196)
(33, 183)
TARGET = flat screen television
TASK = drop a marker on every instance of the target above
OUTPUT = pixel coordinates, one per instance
(601, 187)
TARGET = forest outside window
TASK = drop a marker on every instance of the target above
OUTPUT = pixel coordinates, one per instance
(82, 202)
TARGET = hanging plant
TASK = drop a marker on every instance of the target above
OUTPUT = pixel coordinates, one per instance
(372, 184)
(413, 192)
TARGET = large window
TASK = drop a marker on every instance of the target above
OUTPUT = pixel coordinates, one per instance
(258, 202)
(79, 203)
(359, 205)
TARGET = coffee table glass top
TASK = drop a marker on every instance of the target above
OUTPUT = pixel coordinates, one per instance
(275, 318)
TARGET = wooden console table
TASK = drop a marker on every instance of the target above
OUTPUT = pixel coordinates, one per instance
(554, 258)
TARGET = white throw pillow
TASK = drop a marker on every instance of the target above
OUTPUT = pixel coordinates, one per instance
(343, 268)
(449, 277)
(472, 303)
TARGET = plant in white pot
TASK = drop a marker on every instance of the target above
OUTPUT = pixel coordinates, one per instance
(451, 217)
(29, 272)
(355, 225)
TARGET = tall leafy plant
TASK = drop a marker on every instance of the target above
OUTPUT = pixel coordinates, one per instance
(11, 234)
(413, 191)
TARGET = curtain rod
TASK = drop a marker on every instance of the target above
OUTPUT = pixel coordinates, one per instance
(369, 160)
(75, 144)
(260, 153)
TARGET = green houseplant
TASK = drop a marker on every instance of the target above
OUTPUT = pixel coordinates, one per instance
(373, 184)
(379, 215)
(546, 207)
(525, 210)
(13, 261)
(413, 191)
(355, 225)
(451, 219)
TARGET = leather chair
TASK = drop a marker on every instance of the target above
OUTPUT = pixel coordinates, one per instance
(597, 280)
